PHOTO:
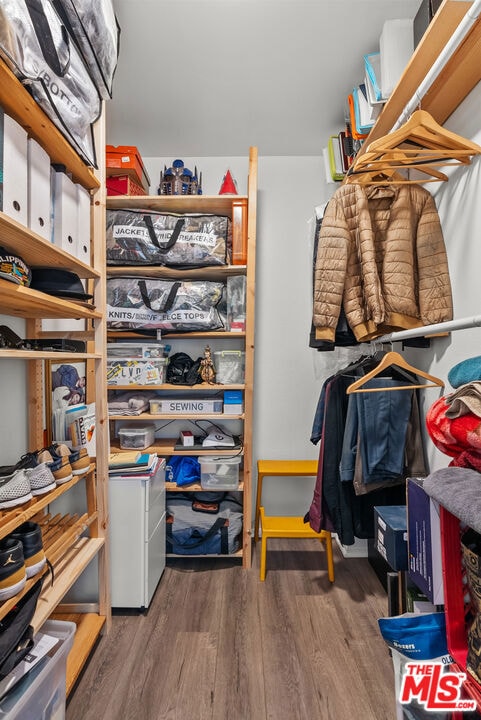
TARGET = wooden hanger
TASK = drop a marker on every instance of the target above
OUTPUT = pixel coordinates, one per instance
(386, 175)
(422, 130)
(388, 360)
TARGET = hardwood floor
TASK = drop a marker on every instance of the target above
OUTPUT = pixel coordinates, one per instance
(218, 644)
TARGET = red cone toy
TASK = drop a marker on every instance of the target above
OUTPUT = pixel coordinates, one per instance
(228, 186)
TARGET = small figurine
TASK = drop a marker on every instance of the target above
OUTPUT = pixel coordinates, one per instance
(207, 369)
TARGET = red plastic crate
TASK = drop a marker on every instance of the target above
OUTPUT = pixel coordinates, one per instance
(123, 185)
(126, 160)
(456, 606)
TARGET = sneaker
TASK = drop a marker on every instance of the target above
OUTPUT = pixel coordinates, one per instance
(30, 535)
(15, 489)
(60, 466)
(13, 574)
(41, 479)
(29, 460)
(80, 461)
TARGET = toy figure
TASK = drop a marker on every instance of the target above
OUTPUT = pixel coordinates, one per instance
(207, 370)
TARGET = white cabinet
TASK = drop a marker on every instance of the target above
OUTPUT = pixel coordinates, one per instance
(137, 537)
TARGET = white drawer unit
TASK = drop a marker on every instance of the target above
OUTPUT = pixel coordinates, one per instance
(137, 537)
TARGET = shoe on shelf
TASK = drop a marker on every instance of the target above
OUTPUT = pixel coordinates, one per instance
(29, 460)
(30, 535)
(59, 465)
(79, 459)
(41, 479)
(15, 489)
(13, 574)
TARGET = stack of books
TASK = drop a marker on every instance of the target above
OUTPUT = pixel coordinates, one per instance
(132, 463)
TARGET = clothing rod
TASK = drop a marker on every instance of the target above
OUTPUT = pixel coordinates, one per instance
(425, 330)
(451, 46)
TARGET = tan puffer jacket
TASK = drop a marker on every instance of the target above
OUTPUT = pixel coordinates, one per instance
(381, 255)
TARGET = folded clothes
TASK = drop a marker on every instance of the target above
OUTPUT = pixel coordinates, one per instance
(466, 399)
(129, 403)
(458, 489)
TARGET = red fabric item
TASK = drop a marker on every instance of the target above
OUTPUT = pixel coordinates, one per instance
(460, 438)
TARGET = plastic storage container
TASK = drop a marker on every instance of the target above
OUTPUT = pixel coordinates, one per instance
(41, 694)
(130, 371)
(229, 366)
(136, 437)
(217, 473)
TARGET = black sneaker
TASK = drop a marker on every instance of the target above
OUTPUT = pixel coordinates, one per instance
(29, 460)
(13, 574)
(30, 535)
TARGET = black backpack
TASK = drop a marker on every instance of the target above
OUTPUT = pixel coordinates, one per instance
(182, 370)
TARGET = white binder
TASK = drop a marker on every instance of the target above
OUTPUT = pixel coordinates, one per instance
(64, 212)
(13, 167)
(38, 189)
(83, 225)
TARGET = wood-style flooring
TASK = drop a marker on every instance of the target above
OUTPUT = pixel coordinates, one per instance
(218, 644)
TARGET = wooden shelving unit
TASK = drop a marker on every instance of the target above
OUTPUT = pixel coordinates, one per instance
(72, 541)
(220, 205)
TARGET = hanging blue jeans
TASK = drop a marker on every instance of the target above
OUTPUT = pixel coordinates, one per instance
(381, 418)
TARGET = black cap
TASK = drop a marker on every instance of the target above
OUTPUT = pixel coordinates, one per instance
(58, 282)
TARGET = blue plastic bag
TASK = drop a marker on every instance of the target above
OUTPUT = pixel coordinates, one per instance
(183, 470)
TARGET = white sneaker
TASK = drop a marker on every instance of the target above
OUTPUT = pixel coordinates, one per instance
(14, 489)
(41, 479)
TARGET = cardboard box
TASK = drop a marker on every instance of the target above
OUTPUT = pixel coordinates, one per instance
(126, 160)
(391, 534)
(233, 402)
(424, 542)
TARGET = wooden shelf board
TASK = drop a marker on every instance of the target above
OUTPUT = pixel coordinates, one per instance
(19, 104)
(214, 335)
(177, 416)
(89, 627)
(47, 355)
(27, 303)
(234, 556)
(195, 487)
(10, 519)
(166, 446)
(465, 69)
(216, 204)
(38, 252)
(217, 272)
(67, 572)
(179, 388)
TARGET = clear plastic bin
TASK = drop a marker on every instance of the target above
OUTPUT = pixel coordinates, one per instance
(218, 473)
(136, 437)
(229, 366)
(41, 694)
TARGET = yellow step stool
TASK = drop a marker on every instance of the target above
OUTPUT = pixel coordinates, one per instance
(285, 526)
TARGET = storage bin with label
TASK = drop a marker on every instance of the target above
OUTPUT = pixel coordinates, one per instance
(219, 473)
(137, 437)
(129, 371)
(229, 366)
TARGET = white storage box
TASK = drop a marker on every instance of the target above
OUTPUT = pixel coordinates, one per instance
(193, 406)
(38, 189)
(65, 229)
(229, 366)
(396, 45)
(136, 372)
(13, 169)
(136, 437)
(41, 694)
(217, 473)
(135, 351)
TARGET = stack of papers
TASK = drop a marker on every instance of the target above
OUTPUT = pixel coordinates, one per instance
(131, 463)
